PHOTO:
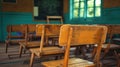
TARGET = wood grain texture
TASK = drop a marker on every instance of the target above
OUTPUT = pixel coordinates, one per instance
(111, 3)
(20, 6)
(79, 35)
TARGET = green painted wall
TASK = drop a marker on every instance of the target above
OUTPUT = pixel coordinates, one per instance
(0, 22)
(17, 18)
(109, 16)
(0, 27)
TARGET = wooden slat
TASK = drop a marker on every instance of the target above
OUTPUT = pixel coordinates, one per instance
(73, 62)
(81, 34)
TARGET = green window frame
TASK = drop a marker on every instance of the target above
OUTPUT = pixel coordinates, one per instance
(85, 8)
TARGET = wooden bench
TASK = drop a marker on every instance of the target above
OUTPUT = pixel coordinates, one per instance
(15, 38)
(74, 35)
(30, 35)
(116, 30)
(46, 31)
(112, 30)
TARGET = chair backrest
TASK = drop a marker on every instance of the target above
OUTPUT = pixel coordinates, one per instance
(49, 30)
(82, 34)
(109, 28)
(73, 35)
(16, 28)
(31, 32)
(31, 28)
(115, 29)
(52, 29)
(112, 30)
(109, 34)
(53, 18)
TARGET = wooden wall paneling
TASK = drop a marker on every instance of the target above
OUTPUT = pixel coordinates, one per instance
(20, 6)
(111, 3)
(65, 6)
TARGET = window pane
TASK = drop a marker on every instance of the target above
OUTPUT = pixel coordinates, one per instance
(98, 2)
(82, 0)
(90, 12)
(81, 12)
(76, 0)
(75, 14)
(86, 8)
(76, 5)
(79, 0)
(90, 3)
(97, 11)
(82, 4)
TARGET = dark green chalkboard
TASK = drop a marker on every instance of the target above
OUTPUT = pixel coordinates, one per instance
(10, 1)
(48, 8)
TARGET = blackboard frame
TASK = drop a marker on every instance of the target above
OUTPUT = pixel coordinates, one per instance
(43, 11)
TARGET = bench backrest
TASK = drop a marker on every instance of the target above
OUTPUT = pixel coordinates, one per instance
(74, 35)
(18, 29)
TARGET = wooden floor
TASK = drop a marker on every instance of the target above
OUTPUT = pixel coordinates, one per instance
(11, 59)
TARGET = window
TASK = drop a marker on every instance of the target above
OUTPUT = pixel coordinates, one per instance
(85, 8)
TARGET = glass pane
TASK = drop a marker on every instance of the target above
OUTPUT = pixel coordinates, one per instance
(75, 13)
(76, 5)
(81, 12)
(98, 2)
(97, 11)
(82, 4)
(82, 0)
(76, 0)
(79, 0)
(90, 12)
(90, 3)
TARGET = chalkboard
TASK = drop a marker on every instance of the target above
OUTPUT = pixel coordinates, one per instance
(44, 8)
(10, 1)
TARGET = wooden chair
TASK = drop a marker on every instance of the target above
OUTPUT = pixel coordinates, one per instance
(112, 30)
(12, 37)
(53, 18)
(46, 31)
(74, 35)
(32, 40)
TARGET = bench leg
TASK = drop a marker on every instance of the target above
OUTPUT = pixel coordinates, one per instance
(105, 53)
(24, 51)
(20, 51)
(94, 52)
(32, 59)
(6, 47)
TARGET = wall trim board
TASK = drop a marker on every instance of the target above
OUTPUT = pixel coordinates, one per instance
(115, 8)
(16, 13)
